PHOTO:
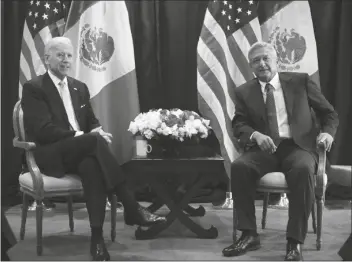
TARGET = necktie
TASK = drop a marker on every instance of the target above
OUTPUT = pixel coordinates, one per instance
(66, 99)
(271, 114)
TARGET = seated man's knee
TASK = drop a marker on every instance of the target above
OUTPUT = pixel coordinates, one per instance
(238, 168)
(304, 168)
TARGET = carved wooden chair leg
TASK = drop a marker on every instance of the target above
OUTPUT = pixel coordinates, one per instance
(70, 213)
(113, 217)
(24, 215)
(234, 233)
(265, 209)
(320, 206)
(314, 219)
(39, 220)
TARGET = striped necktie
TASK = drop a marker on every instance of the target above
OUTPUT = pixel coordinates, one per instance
(271, 114)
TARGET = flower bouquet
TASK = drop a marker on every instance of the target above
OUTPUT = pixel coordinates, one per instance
(172, 132)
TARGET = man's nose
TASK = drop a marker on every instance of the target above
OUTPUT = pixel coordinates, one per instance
(261, 62)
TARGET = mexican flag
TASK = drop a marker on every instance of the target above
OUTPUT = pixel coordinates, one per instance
(104, 59)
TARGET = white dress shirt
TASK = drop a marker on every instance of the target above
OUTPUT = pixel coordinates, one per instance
(281, 112)
(66, 98)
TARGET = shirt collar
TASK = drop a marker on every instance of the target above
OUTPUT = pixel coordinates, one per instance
(57, 80)
(275, 82)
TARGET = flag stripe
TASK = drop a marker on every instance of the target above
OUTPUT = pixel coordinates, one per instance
(248, 32)
(267, 9)
(210, 25)
(215, 48)
(41, 39)
(240, 58)
(39, 46)
(22, 80)
(206, 110)
(316, 78)
(27, 37)
(26, 59)
(256, 28)
(107, 110)
(25, 68)
(210, 98)
(213, 78)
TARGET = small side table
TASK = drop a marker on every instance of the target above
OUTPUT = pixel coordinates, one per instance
(193, 172)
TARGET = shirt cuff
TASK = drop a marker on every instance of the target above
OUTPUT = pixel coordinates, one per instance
(79, 133)
(250, 138)
(97, 129)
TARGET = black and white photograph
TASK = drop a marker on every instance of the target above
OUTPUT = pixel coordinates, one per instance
(176, 130)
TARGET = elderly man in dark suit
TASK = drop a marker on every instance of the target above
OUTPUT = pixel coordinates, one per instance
(276, 128)
(59, 118)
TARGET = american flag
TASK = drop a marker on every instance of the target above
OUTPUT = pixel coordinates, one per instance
(44, 20)
(229, 29)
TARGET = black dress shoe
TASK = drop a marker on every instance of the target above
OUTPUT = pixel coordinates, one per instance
(241, 246)
(293, 252)
(98, 250)
(143, 217)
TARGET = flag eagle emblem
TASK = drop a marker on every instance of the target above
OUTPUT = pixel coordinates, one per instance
(290, 47)
(96, 47)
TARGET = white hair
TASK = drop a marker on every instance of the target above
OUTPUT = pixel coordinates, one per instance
(53, 42)
(259, 45)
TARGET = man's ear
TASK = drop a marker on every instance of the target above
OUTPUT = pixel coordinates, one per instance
(46, 57)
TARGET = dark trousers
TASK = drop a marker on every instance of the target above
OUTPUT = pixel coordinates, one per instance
(298, 166)
(345, 251)
(90, 157)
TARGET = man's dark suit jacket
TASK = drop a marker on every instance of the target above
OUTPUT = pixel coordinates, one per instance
(301, 95)
(46, 121)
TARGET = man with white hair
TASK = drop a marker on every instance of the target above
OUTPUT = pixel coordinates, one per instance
(274, 124)
(58, 116)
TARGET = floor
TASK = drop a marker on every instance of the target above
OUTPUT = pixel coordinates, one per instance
(177, 242)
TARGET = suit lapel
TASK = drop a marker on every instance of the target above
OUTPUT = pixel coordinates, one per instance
(288, 91)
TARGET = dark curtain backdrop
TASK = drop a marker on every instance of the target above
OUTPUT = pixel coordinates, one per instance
(165, 37)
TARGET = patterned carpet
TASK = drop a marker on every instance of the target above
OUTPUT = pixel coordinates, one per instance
(177, 242)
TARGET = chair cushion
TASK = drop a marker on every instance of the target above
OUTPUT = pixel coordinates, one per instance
(277, 180)
(340, 175)
(69, 182)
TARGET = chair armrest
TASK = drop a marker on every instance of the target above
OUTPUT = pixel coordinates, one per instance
(23, 145)
(37, 177)
(320, 185)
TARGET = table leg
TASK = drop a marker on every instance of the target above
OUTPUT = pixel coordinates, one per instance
(156, 205)
(191, 211)
(176, 207)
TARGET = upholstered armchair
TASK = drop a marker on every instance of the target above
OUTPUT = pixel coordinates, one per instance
(39, 186)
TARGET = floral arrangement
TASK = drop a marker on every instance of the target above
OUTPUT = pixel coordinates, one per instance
(175, 124)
